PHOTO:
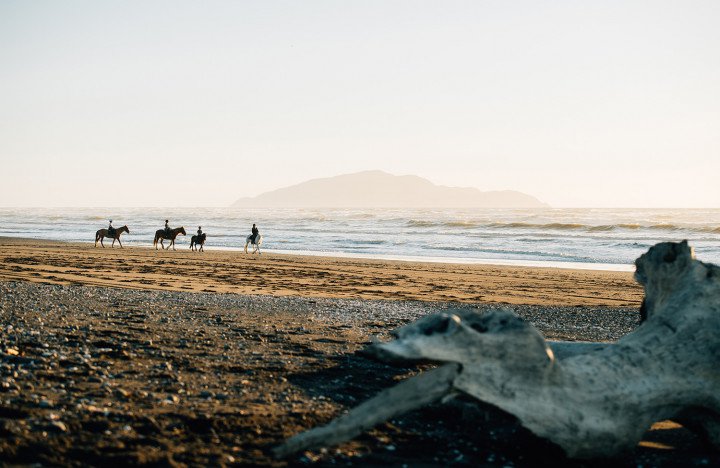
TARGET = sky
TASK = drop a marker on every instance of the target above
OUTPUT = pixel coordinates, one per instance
(184, 103)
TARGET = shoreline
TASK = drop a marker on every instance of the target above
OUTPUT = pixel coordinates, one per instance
(460, 261)
(223, 271)
(569, 265)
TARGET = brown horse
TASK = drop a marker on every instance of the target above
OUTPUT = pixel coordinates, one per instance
(198, 240)
(161, 235)
(103, 233)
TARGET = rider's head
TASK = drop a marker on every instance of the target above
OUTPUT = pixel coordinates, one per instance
(167, 221)
(253, 224)
(199, 227)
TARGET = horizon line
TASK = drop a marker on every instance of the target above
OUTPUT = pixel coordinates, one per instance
(596, 207)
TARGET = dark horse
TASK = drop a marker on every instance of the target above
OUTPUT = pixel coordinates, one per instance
(161, 235)
(103, 233)
(198, 240)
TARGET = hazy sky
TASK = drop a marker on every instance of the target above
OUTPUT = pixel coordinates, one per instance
(150, 103)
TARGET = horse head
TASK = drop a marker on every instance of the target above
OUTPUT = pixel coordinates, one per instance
(182, 230)
(126, 229)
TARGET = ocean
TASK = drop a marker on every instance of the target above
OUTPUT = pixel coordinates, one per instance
(608, 239)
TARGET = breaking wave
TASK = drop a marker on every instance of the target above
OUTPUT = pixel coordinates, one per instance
(420, 223)
(603, 227)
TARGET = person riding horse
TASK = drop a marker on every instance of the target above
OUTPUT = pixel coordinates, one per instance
(199, 239)
(111, 230)
(255, 234)
(167, 228)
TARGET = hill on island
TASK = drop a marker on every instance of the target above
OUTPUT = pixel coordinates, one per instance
(378, 189)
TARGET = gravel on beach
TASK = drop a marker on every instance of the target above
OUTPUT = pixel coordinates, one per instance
(97, 376)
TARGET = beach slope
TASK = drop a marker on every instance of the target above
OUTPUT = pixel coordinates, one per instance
(310, 276)
(132, 356)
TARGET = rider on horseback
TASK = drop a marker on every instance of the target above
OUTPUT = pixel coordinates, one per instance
(167, 228)
(111, 230)
(255, 234)
(199, 232)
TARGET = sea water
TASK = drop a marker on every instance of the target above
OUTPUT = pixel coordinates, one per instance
(573, 238)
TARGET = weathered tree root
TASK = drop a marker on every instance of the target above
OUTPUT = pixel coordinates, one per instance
(590, 399)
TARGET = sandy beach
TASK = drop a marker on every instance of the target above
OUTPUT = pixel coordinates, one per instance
(310, 276)
(137, 356)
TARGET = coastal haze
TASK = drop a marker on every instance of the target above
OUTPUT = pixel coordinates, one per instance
(374, 214)
(610, 104)
(378, 189)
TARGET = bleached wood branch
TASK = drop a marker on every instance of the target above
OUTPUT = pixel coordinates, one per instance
(590, 399)
(413, 393)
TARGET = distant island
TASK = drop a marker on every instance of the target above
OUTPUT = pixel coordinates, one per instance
(378, 189)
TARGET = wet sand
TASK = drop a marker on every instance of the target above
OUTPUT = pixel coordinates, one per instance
(144, 372)
(310, 276)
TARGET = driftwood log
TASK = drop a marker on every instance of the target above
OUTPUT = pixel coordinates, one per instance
(593, 400)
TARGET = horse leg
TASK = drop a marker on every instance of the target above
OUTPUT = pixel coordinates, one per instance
(118, 239)
(246, 244)
(101, 241)
(112, 246)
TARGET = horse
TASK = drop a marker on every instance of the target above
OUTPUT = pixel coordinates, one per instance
(198, 240)
(103, 233)
(161, 235)
(257, 243)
